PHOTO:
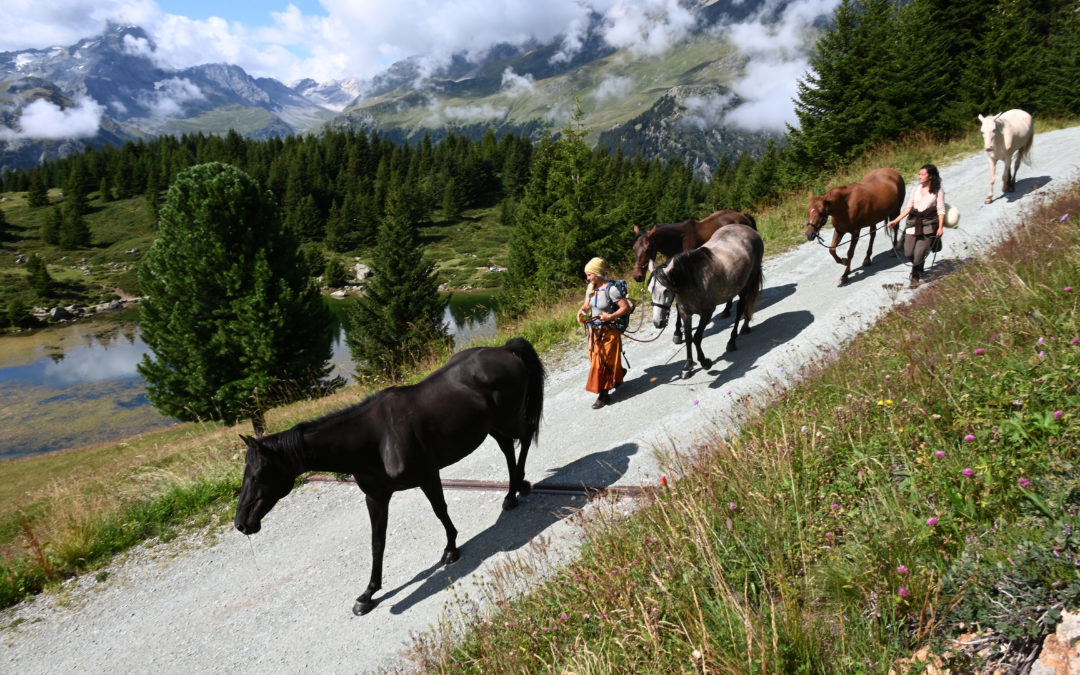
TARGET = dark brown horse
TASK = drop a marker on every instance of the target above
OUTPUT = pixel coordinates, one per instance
(400, 437)
(878, 197)
(675, 238)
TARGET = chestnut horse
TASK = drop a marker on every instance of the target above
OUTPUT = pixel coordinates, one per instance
(878, 197)
(673, 238)
(1004, 135)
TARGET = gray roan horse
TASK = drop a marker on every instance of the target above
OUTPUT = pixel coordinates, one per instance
(1004, 135)
(726, 265)
(400, 437)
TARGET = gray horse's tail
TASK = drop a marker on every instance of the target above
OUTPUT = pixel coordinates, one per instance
(750, 293)
(534, 388)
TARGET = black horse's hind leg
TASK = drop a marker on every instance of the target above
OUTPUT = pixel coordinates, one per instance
(740, 313)
(726, 312)
(518, 484)
(378, 507)
(432, 488)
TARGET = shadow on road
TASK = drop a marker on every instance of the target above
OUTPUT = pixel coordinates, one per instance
(515, 528)
(1025, 186)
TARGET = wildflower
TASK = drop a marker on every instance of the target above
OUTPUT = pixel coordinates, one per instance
(940, 454)
(979, 351)
(1064, 217)
(1023, 482)
(931, 521)
(564, 616)
(901, 570)
(696, 402)
(1068, 289)
(1076, 340)
(731, 506)
(1040, 341)
(969, 438)
(968, 472)
(1058, 414)
(902, 592)
(1042, 355)
(834, 506)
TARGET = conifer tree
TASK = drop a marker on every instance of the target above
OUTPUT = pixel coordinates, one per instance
(233, 322)
(36, 194)
(38, 273)
(399, 318)
(74, 231)
(50, 229)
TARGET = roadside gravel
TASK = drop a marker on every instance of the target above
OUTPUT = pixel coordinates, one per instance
(280, 600)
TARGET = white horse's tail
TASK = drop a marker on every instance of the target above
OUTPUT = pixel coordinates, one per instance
(1025, 151)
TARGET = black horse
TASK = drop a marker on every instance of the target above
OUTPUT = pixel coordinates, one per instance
(401, 437)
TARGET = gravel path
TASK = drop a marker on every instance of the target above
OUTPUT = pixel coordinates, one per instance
(280, 600)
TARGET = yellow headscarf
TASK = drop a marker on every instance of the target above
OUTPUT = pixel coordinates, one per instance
(596, 266)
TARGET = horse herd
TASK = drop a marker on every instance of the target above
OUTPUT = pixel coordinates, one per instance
(401, 437)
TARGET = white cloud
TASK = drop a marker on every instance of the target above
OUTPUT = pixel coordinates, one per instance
(466, 114)
(170, 95)
(648, 27)
(42, 120)
(615, 86)
(517, 85)
(777, 56)
(705, 112)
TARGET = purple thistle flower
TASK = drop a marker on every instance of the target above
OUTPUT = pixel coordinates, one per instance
(931, 521)
(1023, 482)
(1042, 355)
(968, 472)
(1068, 289)
(1040, 341)
(902, 592)
(1058, 414)
(834, 506)
(1076, 340)
(940, 454)
(979, 351)
(731, 506)
(969, 438)
(901, 570)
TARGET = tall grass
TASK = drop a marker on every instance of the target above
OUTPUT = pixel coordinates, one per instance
(920, 487)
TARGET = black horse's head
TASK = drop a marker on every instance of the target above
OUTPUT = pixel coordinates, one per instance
(267, 478)
(644, 252)
(816, 215)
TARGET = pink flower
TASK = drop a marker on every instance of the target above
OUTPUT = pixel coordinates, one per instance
(901, 570)
(731, 506)
(968, 472)
(902, 592)
(1023, 482)
(1058, 414)
(1076, 340)
(834, 506)
(940, 454)
(969, 437)
(980, 350)
(1068, 289)
(931, 521)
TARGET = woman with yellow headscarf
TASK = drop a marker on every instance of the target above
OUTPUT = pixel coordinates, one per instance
(604, 302)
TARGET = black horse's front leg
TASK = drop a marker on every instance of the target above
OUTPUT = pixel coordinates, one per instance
(677, 338)
(378, 507)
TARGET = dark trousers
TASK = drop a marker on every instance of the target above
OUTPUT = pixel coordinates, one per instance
(915, 250)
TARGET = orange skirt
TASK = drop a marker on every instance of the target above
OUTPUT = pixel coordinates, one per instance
(605, 360)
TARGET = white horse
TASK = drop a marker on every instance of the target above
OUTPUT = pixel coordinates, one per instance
(1003, 135)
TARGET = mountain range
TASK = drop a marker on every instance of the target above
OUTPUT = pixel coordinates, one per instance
(110, 89)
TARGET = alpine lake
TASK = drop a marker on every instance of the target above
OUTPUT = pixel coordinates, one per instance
(76, 384)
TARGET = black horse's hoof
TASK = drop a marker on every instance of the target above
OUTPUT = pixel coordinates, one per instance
(706, 363)
(363, 606)
(677, 339)
(731, 346)
(525, 488)
(686, 373)
(451, 556)
(510, 502)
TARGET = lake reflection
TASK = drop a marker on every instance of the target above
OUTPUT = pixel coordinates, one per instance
(78, 384)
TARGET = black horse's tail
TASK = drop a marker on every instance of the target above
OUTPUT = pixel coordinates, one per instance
(753, 221)
(534, 391)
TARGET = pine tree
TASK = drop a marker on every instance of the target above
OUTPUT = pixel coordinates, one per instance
(51, 228)
(36, 195)
(39, 277)
(74, 231)
(399, 318)
(233, 322)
